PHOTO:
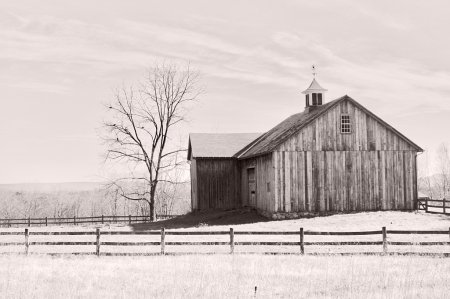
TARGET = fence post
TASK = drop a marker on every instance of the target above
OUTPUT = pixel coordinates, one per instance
(103, 221)
(46, 221)
(129, 219)
(74, 220)
(163, 241)
(443, 205)
(426, 205)
(231, 240)
(29, 221)
(27, 240)
(384, 240)
(97, 251)
(302, 241)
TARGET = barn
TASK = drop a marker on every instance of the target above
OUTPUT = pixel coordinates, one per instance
(335, 156)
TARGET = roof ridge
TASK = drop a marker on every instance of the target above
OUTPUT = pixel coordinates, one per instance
(315, 114)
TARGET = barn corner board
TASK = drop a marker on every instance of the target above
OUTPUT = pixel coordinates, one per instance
(333, 157)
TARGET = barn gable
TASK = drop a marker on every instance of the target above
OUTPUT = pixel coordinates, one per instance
(366, 132)
(313, 131)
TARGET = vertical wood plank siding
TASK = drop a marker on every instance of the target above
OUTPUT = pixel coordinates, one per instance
(321, 170)
(265, 178)
(217, 182)
(194, 192)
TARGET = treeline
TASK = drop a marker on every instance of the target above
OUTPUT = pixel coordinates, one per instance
(66, 203)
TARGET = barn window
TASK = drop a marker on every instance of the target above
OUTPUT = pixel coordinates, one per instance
(319, 95)
(314, 99)
(345, 124)
(307, 100)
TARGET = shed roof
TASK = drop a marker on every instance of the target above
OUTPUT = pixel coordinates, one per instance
(270, 140)
(215, 145)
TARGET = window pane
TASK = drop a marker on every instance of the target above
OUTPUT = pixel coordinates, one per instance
(314, 99)
(345, 123)
(320, 98)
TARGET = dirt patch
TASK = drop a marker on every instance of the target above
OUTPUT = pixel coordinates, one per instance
(205, 218)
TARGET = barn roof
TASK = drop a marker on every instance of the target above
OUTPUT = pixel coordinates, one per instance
(210, 145)
(277, 135)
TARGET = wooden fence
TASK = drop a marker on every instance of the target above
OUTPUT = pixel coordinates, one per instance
(302, 244)
(79, 220)
(426, 204)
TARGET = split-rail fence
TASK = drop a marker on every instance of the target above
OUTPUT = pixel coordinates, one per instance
(301, 244)
(426, 204)
(46, 221)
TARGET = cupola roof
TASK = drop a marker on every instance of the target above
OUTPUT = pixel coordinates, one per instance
(314, 87)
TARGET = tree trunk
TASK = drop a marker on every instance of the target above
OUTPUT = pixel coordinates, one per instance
(151, 204)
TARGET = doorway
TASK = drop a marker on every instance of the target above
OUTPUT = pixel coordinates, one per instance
(251, 186)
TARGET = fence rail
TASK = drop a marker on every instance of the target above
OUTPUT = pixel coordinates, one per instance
(162, 243)
(46, 221)
(426, 204)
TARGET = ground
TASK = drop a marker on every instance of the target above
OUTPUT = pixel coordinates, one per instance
(232, 276)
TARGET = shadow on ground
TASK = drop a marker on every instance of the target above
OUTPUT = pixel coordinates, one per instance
(206, 218)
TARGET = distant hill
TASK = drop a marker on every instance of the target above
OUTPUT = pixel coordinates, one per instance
(48, 187)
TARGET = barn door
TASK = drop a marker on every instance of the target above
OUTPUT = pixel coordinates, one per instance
(252, 186)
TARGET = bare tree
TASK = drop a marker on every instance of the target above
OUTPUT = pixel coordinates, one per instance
(442, 180)
(425, 178)
(140, 129)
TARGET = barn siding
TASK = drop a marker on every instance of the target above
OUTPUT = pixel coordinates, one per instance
(321, 170)
(345, 181)
(217, 183)
(194, 197)
(264, 171)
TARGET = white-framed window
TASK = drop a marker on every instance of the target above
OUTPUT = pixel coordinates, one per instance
(345, 124)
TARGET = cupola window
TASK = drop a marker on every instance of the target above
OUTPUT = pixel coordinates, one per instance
(314, 99)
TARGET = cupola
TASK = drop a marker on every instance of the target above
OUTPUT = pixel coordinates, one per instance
(314, 95)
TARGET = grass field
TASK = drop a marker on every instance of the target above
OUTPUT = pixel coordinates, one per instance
(235, 276)
(224, 276)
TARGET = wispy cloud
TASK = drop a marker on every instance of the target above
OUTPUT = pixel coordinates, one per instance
(40, 87)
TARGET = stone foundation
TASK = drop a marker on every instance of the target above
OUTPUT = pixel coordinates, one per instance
(295, 215)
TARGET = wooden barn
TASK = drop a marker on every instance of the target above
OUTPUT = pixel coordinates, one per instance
(334, 156)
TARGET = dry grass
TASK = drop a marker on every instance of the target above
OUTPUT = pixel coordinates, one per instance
(227, 276)
(224, 276)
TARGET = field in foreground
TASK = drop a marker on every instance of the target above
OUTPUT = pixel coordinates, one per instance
(224, 276)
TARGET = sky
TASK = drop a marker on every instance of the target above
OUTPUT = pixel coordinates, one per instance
(60, 60)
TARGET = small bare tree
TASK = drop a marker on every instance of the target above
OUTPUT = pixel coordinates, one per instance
(425, 179)
(139, 131)
(443, 167)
